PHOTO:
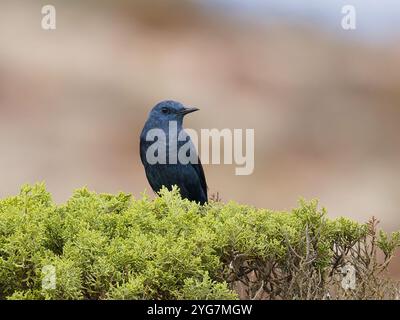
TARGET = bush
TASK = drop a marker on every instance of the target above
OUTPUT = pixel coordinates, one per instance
(102, 246)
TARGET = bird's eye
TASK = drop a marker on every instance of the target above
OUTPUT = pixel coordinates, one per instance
(165, 110)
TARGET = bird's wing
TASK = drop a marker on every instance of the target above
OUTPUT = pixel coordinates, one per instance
(200, 172)
(142, 151)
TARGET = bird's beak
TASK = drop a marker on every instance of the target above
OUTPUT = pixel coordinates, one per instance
(188, 110)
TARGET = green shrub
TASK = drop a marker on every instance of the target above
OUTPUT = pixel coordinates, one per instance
(114, 247)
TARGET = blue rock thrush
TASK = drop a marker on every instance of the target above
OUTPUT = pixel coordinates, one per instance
(187, 175)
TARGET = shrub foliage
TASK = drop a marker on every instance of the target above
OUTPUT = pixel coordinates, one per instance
(105, 246)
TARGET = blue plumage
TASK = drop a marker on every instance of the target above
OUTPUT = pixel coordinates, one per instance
(188, 177)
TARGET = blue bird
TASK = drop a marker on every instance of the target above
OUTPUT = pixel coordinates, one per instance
(189, 177)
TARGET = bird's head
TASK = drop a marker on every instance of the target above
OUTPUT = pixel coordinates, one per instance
(170, 111)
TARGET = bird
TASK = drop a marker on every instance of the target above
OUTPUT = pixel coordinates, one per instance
(188, 177)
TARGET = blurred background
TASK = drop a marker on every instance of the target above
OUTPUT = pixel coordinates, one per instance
(324, 101)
